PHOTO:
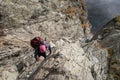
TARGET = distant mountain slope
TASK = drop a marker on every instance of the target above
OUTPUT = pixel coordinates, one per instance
(101, 11)
(110, 39)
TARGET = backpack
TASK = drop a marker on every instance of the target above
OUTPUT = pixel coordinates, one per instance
(42, 48)
(35, 42)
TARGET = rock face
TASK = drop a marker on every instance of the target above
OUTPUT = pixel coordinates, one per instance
(72, 62)
(65, 25)
(9, 73)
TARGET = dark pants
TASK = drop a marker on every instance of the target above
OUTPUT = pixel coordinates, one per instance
(38, 54)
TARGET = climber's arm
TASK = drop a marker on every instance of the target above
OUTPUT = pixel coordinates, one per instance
(49, 48)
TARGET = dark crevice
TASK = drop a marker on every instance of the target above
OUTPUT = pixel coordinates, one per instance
(0, 17)
(20, 67)
(94, 74)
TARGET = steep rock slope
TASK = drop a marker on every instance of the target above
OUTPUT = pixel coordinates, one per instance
(64, 23)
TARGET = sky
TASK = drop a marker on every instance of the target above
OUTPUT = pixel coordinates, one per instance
(101, 11)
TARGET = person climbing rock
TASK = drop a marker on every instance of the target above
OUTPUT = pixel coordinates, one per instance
(40, 48)
(41, 51)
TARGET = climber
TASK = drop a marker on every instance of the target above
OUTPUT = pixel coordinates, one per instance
(41, 51)
(40, 48)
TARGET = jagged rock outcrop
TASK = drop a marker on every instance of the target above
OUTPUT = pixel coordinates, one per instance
(64, 23)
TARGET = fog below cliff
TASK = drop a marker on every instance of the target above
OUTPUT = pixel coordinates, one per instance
(101, 11)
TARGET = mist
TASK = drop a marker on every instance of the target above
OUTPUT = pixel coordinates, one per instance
(101, 11)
